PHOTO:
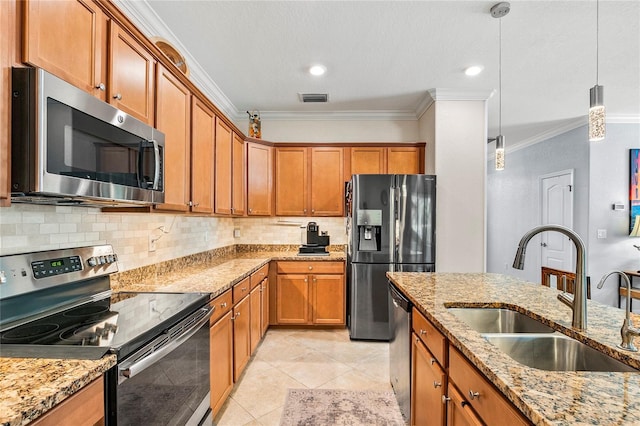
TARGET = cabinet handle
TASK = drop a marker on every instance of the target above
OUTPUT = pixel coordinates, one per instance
(233, 318)
(473, 395)
(304, 211)
(223, 305)
(305, 280)
(445, 399)
(196, 204)
(313, 210)
(433, 361)
(243, 289)
(436, 384)
(423, 332)
(315, 280)
(250, 210)
(117, 96)
(310, 267)
(101, 86)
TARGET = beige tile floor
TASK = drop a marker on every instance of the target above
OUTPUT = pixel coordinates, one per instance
(325, 359)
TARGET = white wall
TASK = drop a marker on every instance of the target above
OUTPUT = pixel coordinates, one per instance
(460, 165)
(609, 183)
(340, 131)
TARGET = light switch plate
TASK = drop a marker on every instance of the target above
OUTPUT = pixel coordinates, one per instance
(602, 233)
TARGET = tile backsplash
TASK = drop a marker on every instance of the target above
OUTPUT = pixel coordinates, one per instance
(26, 227)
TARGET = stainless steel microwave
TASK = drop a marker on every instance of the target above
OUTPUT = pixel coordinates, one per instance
(70, 148)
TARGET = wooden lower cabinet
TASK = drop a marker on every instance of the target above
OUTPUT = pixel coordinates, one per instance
(84, 408)
(459, 412)
(221, 350)
(241, 336)
(255, 300)
(310, 293)
(428, 386)
(264, 306)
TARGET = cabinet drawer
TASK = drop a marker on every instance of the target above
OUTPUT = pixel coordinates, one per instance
(490, 404)
(300, 267)
(257, 277)
(241, 289)
(86, 407)
(221, 305)
(430, 336)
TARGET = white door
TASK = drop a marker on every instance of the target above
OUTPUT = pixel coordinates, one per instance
(557, 208)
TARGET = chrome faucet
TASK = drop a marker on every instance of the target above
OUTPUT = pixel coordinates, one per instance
(628, 331)
(578, 301)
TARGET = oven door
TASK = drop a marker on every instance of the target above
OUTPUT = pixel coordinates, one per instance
(166, 382)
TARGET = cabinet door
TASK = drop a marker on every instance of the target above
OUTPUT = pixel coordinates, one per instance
(221, 344)
(255, 298)
(85, 407)
(328, 299)
(264, 306)
(8, 36)
(202, 142)
(327, 185)
(223, 167)
(131, 68)
(259, 179)
(292, 299)
(428, 384)
(173, 119)
(241, 336)
(459, 412)
(68, 39)
(291, 181)
(368, 160)
(404, 160)
(237, 181)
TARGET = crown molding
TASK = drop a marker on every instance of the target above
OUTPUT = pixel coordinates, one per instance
(150, 24)
(336, 115)
(443, 94)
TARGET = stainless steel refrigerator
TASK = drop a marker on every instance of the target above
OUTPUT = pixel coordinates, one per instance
(390, 227)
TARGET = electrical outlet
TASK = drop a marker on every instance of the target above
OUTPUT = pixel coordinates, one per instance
(206, 236)
(236, 233)
(152, 306)
(602, 233)
(152, 243)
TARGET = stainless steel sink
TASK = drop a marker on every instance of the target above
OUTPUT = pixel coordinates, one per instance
(499, 320)
(555, 352)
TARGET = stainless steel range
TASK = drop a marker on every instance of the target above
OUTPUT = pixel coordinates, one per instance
(58, 304)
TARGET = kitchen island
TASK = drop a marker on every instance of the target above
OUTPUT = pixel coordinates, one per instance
(544, 397)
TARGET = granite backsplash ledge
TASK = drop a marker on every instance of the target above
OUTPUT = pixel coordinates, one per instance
(151, 273)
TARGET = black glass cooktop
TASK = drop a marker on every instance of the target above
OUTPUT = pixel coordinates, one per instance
(118, 324)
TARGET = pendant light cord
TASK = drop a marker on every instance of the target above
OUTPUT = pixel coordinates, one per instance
(500, 76)
(597, 38)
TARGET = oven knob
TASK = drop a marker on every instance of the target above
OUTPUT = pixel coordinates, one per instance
(103, 260)
(110, 258)
(92, 261)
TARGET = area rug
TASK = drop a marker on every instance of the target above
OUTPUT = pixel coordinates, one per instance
(319, 407)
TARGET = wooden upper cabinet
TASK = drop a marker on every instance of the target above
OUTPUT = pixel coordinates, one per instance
(327, 184)
(203, 124)
(8, 35)
(368, 160)
(259, 179)
(238, 177)
(223, 176)
(131, 68)
(404, 160)
(68, 39)
(173, 119)
(291, 181)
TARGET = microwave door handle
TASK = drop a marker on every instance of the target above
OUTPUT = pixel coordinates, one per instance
(156, 176)
(128, 370)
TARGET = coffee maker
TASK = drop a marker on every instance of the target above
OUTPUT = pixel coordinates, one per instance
(315, 243)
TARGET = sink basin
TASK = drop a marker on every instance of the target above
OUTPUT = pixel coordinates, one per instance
(555, 352)
(498, 320)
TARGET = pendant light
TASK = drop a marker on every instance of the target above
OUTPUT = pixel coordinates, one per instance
(596, 96)
(498, 11)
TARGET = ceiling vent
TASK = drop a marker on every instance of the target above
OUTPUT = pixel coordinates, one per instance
(313, 97)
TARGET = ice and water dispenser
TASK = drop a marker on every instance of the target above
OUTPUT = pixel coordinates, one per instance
(369, 224)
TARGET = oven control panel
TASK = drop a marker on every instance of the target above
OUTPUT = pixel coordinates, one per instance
(51, 267)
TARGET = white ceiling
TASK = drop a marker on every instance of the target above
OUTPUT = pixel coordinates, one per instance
(383, 56)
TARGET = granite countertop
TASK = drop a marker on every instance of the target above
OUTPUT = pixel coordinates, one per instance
(31, 386)
(545, 397)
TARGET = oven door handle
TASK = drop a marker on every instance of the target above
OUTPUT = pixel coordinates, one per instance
(130, 369)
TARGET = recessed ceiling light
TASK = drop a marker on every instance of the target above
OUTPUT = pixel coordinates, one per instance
(317, 70)
(473, 70)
